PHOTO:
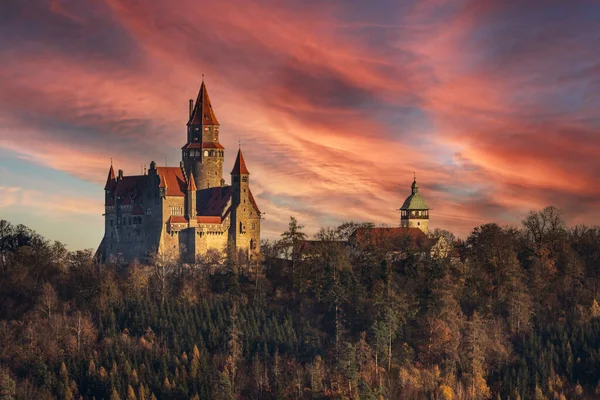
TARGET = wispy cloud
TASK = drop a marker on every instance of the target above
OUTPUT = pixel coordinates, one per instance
(492, 104)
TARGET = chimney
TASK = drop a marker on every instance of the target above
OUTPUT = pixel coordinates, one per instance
(152, 169)
(191, 107)
(120, 176)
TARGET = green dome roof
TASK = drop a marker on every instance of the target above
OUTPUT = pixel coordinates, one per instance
(414, 201)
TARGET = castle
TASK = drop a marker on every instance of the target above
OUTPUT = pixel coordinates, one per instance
(184, 210)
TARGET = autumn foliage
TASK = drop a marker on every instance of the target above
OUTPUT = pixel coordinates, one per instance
(512, 313)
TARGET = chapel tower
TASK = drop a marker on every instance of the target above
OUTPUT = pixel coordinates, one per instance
(245, 216)
(202, 155)
(414, 213)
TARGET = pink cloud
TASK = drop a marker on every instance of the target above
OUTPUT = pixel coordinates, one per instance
(334, 114)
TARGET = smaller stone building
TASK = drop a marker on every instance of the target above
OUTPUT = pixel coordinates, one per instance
(414, 213)
(412, 235)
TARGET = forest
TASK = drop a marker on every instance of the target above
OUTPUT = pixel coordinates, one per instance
(513, 313)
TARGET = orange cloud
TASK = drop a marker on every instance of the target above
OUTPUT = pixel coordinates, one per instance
(335, 105)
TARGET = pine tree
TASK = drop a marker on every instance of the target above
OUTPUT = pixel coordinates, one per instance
(142, 392)
(195, 363)
(7, 385)
(130, 393)
(222, 389)
(64, 387)
(114, 395)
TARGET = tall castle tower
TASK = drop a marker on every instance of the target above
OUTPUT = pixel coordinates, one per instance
(202, 155)
(414, 213)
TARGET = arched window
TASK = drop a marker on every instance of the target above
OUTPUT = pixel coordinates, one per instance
(205, 153)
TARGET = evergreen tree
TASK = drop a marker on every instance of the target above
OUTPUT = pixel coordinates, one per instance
(222, 390)
(7, 385)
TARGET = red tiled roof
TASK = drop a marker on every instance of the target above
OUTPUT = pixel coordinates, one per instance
(203, 145)
(239, 167)
(177, 219)
(110, 180)
(212, 201)
(191, 187)
(391, 239)
(206, 219)
(203, 112)
(172, 179)
(253, 201)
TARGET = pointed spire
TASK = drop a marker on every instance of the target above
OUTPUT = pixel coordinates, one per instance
(239, 167)
(110, 180)
(414, 187)
(203, 114)
(191, 184)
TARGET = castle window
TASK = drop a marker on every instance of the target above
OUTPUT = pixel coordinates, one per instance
(244, 179)
(205, 153)
(176, 210)
(253, 226)
(244, 190)
(148, 211)
(111, 222)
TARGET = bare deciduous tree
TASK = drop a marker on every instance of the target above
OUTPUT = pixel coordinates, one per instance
(164, 263)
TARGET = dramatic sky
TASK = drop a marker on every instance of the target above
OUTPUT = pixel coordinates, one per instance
(493, 103)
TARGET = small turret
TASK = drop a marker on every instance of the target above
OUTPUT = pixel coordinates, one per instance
(240, 177)
(190, 198)
(414, 213)
(110, 186)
